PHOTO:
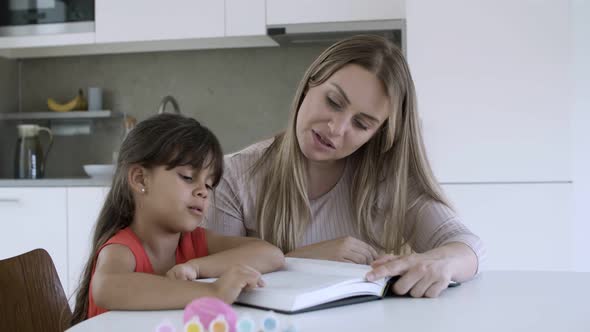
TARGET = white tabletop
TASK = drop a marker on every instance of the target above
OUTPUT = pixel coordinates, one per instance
(494, 301)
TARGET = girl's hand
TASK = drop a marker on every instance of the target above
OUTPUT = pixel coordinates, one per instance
(183, 272)
(234, 280)
(421, 275)
(344, 249)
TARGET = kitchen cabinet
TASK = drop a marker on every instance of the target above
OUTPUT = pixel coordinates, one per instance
(523, 226)
(147, 26)
(280, 12)
(493, 88)
(64, 39)
(33, 218)
(238, 23)
(148, 20)
(84, 204)
(57, 219)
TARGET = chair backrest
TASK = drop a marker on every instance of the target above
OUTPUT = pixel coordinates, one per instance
(31, 295)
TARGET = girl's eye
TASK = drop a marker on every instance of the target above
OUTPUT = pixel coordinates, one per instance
(360, 125)
(210, 188)
(186, 178)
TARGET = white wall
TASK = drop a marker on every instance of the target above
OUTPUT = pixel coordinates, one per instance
(581, 125)
(494, 87)
(495, 93)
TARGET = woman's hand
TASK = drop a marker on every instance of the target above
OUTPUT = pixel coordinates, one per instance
(429, 273)
(183, 272)
(420, 275)
(344, 249)
(234, 280)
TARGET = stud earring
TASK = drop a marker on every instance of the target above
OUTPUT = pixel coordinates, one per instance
(143, 190)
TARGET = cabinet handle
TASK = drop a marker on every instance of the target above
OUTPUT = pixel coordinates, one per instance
(9, 200)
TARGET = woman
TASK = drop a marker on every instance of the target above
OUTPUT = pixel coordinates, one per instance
(348, 179)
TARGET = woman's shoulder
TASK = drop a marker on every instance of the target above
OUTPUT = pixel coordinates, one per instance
(240, 162)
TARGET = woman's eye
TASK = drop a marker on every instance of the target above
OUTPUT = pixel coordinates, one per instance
(360, 125)
(332, 103)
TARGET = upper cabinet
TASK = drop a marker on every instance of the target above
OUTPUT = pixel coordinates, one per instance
(150, 25)
(149, 20)
(238, 23)
(280, 12)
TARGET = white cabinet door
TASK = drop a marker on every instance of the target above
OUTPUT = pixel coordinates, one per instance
(523, 226)
(32, 218)
(245, 18)
(493, 84)
(149, 20)
(84, 204)
(320, 11)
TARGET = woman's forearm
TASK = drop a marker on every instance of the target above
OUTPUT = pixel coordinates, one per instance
(461, 258)
(142, 291)
(258, 254)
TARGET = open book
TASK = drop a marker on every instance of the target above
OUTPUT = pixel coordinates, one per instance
(310, 284)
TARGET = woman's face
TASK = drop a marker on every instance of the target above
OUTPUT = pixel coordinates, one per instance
(340, 115)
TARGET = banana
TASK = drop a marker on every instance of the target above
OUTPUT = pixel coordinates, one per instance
(78, 103)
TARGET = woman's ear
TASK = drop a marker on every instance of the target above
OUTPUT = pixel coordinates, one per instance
(137, 179)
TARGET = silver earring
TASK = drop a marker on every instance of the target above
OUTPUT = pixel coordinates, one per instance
(143, 190)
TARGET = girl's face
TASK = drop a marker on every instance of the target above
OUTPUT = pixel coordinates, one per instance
(340, 115)
(178, 197)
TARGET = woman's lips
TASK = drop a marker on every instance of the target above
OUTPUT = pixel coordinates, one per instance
(322, 140)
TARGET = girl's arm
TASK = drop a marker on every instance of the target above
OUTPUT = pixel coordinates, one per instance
(227, 251)
(116, 287)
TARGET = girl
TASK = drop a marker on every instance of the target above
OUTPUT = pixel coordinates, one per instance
(148, 244)
(349, 178)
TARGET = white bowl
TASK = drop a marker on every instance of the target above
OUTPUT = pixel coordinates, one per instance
(105, 171)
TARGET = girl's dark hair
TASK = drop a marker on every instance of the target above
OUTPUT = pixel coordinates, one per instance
(169, 140)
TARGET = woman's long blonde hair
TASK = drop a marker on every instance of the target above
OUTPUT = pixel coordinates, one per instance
(389, 160)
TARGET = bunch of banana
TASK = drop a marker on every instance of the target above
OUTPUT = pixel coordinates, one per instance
(79, 103)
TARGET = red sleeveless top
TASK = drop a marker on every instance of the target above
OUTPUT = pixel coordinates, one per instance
(192, 245)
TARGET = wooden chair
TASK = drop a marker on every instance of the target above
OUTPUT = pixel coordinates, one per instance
(31, 295)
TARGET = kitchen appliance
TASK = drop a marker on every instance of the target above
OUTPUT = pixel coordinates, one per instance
(330, 32)
(29, 160)
(42, 17)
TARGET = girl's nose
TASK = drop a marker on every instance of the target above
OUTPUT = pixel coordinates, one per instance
(201, 191)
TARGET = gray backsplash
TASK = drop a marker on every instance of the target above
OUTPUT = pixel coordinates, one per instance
(242, 95)
(8, 103)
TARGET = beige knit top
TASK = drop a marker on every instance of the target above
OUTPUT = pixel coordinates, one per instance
(233, 210)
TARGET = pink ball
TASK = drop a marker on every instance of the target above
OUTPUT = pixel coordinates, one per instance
(207, 309)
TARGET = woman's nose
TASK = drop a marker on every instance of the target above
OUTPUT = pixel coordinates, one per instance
(337, 125)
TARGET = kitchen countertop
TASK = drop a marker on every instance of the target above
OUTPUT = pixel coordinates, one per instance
(73, 182)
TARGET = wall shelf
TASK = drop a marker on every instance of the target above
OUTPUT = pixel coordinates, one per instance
(74, 115)
(65, 123)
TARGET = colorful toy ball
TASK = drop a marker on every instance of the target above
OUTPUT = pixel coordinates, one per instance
(194, 325)
(219, 324)
(245, 324)
(270, 322)
(207, 309)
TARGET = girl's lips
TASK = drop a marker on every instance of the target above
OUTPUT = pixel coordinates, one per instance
(322, 140)
(196, 210)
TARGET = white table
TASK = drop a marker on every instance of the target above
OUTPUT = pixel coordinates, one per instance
(495, 301)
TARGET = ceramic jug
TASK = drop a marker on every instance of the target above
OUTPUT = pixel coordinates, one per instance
(29, 161)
